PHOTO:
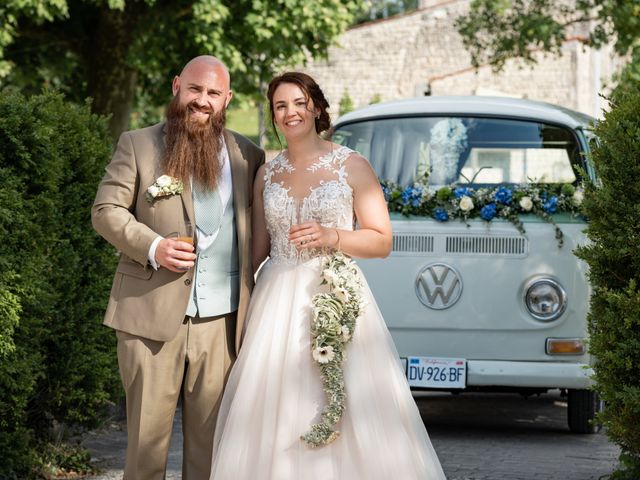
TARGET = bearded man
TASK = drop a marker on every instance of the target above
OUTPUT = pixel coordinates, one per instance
(178, 310)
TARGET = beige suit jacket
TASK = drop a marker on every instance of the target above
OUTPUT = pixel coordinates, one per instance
(143, 301)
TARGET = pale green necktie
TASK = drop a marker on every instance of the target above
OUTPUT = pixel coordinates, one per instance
(207, 207)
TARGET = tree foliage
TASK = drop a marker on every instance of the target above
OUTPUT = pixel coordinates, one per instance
(613, 210)
(377, 9)
(118, 51)
(496, 30)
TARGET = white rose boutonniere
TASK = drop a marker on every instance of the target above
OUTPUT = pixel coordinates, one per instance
(526, 203)
(152, 192)
(164, 186)
(466, 204)
(164, 181)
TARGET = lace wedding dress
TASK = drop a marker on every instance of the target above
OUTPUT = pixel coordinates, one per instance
(274, 392)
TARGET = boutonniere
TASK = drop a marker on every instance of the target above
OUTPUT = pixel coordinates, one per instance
(163, 186)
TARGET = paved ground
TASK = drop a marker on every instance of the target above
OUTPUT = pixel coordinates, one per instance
(477, 437)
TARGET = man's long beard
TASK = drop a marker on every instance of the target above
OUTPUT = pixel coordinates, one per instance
(193, 148)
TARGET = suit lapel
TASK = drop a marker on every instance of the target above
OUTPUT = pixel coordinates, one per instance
(240, 187)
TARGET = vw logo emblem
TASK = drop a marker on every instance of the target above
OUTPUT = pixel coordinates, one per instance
(438, 286)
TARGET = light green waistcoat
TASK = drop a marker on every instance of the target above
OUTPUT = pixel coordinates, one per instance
(216, 283)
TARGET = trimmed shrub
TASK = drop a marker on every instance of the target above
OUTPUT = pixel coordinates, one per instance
(613, 257)
(58, 363)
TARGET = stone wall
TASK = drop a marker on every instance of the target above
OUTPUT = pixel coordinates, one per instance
(422, 53)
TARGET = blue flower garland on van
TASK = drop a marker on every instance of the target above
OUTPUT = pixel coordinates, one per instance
(506, 202)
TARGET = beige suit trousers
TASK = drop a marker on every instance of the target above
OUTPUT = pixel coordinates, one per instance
(154, 374)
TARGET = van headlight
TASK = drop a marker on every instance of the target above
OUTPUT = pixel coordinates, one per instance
(545, 299)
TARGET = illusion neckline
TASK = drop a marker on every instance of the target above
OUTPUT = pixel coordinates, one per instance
(312, 190)
(321, 160)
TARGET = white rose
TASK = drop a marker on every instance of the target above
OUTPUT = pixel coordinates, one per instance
(164, 181)
(466, 204)
(577, 198)
(153, 191)
(526, 203)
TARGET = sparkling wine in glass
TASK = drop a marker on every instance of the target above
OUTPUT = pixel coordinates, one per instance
(184, 234)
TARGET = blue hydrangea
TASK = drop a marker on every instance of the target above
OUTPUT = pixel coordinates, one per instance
(551, 205)
(412, 196)
(460, 192)
(488, 212)
(440, 214)
(503, 195)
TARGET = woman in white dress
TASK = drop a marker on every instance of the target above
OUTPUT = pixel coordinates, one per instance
(305, 204)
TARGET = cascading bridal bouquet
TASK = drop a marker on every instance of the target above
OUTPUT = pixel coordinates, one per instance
(334, 320)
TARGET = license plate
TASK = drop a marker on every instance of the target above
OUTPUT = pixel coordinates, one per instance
(431, 372)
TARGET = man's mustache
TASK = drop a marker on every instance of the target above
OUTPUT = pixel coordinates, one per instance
(195, 106)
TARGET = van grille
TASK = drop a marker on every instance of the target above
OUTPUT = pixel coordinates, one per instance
(413, 243)
(493, 245)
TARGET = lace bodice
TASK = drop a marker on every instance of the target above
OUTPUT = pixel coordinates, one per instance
(319, 193)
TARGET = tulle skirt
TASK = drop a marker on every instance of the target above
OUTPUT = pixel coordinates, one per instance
(274, 394)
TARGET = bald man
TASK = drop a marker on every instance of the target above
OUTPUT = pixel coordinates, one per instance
(178, 309)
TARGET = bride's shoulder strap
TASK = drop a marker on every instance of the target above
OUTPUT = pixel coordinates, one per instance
(277, 165)
(339, 159)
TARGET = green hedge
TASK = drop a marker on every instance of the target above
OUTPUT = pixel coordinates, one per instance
(613, 257)
(57, 362)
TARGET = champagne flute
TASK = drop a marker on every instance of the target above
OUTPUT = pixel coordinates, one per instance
(295, 219)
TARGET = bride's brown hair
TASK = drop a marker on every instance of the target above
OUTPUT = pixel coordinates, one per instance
(311, 92)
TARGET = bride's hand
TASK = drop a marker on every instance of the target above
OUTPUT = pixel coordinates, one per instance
(313, 235)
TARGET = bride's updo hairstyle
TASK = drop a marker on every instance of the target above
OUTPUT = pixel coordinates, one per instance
(311, 92)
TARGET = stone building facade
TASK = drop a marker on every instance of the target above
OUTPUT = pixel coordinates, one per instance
(421, 53)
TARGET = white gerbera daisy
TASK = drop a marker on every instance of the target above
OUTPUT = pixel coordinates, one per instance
(323, 354)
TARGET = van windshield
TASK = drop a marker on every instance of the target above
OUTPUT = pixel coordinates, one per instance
(464, 150)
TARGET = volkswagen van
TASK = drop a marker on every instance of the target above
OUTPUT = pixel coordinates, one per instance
(482, 291)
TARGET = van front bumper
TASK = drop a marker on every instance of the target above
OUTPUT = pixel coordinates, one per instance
(481, 373)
